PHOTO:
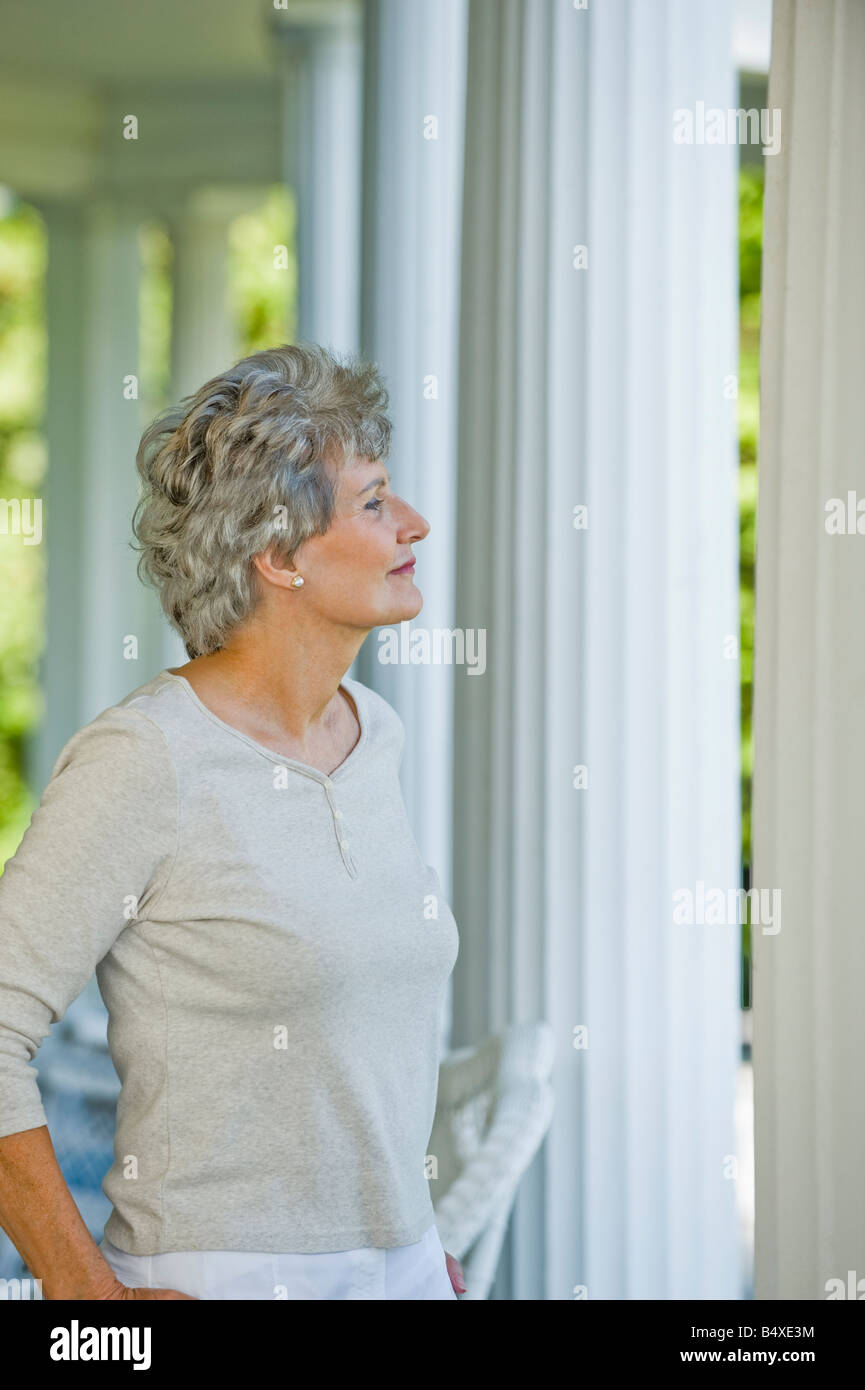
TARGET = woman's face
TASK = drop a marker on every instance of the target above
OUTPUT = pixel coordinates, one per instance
(349, 573)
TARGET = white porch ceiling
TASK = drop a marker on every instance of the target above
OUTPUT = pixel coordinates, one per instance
(114, 41)
(203, 77)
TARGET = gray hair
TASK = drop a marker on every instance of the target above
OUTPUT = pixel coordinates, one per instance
(242, 464)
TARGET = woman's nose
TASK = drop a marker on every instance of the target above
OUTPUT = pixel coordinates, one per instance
(415, 525)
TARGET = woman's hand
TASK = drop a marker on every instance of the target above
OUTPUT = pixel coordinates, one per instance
(455, 1270)
(151, 1293)
(122, 1291)
(38, 1214)
(112, 1288)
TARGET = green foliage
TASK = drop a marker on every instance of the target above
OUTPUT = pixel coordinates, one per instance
(750, 257)
(23, 253)
(750, 229)
(263, 294)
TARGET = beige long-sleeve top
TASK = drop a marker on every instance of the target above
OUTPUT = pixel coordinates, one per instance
(273, 953)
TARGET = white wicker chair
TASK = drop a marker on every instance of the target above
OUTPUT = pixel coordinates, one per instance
(494, 1106)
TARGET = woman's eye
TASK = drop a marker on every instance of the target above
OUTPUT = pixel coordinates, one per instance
(375, 503)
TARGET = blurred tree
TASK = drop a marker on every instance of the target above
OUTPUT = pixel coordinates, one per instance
(262, 277)
(750, 259)
(23, 253)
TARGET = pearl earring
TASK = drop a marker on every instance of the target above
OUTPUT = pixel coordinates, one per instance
(297, 581)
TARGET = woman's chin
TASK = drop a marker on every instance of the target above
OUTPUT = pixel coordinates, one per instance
(405, 609)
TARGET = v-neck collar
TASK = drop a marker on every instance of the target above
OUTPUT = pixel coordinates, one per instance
(353, 688)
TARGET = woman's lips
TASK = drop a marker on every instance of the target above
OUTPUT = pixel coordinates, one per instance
(405, 569)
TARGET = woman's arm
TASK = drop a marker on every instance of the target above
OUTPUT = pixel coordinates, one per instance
(39, 1216)
(102, 839)
(42, 1221)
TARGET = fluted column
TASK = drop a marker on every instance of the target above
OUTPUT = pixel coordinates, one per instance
(322, 65)
(121, 612)
(104, 629)
(809, 720)
(596, 764)
(65, 612)
(412, 180)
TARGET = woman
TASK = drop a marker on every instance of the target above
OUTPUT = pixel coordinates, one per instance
(228, 847)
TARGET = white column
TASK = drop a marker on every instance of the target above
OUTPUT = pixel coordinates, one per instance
(64, 501)
(117, 605)
(412, 179)
(607, 647)
(204, 336)
(322, 130)
(809, 720)
(95, 601)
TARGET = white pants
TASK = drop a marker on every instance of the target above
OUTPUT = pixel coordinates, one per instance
(404, 1271)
